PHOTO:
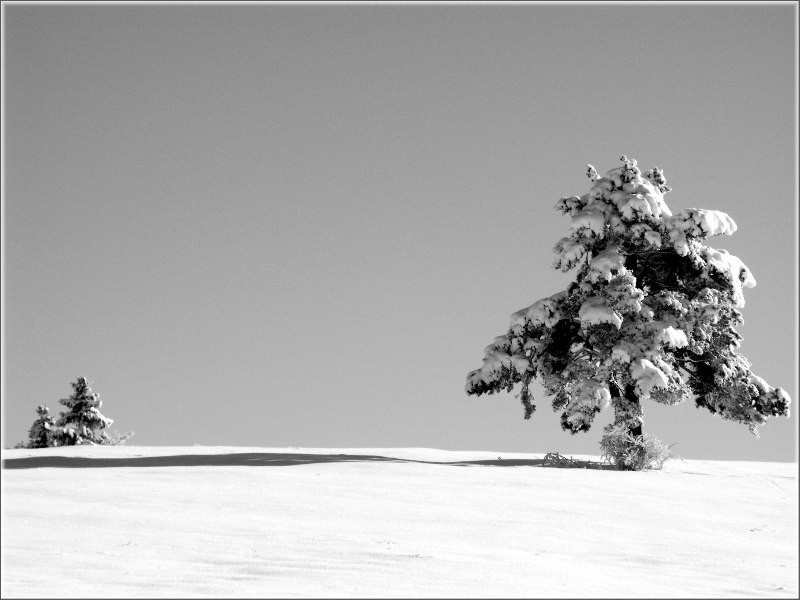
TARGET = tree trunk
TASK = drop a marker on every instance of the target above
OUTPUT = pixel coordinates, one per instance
(630, 396)
(627, 408)
(626, 451)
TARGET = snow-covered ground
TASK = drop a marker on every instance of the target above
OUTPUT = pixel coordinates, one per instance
(296, 522)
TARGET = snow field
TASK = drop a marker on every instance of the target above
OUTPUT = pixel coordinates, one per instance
(404, 523)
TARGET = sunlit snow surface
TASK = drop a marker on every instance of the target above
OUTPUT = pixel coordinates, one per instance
(295, 522)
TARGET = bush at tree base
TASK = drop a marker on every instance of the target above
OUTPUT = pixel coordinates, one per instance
(633, 453)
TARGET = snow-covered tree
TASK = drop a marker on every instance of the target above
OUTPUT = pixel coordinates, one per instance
(82, 422)
(42, 429)
(651, 314)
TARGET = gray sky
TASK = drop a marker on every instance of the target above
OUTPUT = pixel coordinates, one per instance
(299, 225)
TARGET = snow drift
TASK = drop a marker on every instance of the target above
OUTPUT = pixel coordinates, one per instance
(290, 522)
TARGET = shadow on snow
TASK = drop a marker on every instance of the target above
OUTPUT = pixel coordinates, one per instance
(254, 459)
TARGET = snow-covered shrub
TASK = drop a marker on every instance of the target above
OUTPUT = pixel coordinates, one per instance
(651, 314)
(81, 424)
(633, 453)
(556, 460)
(41, 431)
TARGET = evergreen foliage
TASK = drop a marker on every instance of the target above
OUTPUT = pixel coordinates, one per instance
(651, 314)
(42, 429)
(82, 422)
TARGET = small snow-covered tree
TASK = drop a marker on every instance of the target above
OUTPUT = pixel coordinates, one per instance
(82, 422)
(651, 314)
(41, 431)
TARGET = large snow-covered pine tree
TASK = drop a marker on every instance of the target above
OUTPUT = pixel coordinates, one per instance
(82, 422)
(651, 314)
